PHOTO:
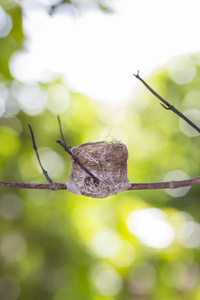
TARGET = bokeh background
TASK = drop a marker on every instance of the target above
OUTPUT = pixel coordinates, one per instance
(76, 59)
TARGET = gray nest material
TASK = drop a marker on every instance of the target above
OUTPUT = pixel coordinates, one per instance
(106, 161)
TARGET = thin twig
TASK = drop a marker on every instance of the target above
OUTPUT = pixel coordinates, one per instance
(77, 161)
(167, 105)
(61, 132)
(36, 151)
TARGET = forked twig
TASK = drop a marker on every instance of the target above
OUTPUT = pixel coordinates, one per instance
(66, 148)
(167, 105)
(77, 161)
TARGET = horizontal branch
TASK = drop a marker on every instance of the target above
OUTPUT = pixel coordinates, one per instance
(165, 185)
(37, 186)
(134, 186)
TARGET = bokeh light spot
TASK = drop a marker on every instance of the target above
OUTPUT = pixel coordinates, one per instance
(106, 243)
(31, 98)
(2, 106)
(189, 234)
(58, 98)
(125, 256)
(177, 175)
(185, 275)
(49, 2)
(194, 116)
(151, 228)
(5, 23)
(142, 279)
(11, 206)
(4, 96)
(179, 218)
(13, 247)
(9, 288)
(25, 67)
(182, 70)
(51, 161)
(106, 280)
(191, 99)
(111, 116)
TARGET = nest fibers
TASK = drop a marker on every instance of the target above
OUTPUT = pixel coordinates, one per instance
(107, 161)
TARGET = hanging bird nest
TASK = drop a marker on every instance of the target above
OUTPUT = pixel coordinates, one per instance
(107, 162)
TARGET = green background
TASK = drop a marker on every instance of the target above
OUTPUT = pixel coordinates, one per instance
(49, 240)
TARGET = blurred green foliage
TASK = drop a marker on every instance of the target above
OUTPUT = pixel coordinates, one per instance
(102, 5)
(56, 245)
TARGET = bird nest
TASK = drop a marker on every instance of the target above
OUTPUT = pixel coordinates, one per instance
(107, 162)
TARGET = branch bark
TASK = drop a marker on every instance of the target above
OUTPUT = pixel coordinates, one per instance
(55, 186)
(134, 186)
(165, 185)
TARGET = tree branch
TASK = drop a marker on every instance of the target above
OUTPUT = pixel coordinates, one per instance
(167, 105)
(134, 186)
(37, 186)
(165, 185)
